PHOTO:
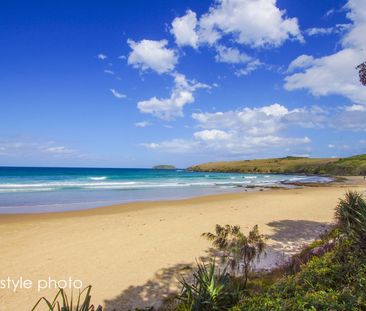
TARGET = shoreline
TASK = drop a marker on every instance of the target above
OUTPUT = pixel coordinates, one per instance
(131, 253)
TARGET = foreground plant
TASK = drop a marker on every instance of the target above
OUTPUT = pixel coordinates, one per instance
(61, 302)
(238, 250)
(210, 290)
(351, 216)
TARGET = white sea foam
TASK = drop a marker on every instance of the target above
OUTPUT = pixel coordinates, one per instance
(101, 183)
(98, 178)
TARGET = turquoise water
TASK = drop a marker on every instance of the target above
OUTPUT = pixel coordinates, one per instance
(32, 190)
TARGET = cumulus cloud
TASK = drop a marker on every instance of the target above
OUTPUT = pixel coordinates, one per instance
(256, 23)
(253, 121)
(117, 94)
(249, 68)
(252, 23)
(184, 29)
(254, 130)
(231, 55)
(211, 135)
(237, 132)
(301, 62)
(150, 54)
(335, 73)
(172, 107)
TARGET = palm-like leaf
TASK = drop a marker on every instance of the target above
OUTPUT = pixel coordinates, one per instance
(208, 291)
(238, 250)
(61, 302)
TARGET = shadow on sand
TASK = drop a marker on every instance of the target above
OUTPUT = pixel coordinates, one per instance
(152, 293)
(288, 238)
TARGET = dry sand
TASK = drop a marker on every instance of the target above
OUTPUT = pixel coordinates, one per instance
(131, 253)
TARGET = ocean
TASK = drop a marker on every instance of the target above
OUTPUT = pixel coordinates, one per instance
(37, 190)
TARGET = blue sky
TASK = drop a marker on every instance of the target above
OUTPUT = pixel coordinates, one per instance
(139, 83)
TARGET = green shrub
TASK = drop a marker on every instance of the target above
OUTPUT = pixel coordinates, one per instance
(351, 216)
(62, 302)
(210, 290)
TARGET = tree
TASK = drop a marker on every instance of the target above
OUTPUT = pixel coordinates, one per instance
(238, 250)
(362, 72)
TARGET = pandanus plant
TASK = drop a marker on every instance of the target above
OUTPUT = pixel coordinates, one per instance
(61, 302)
(208, 291)
(351, 216)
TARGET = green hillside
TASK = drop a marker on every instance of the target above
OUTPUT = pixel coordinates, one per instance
(355, 165)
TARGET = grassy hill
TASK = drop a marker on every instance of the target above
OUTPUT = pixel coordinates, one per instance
(355, 165)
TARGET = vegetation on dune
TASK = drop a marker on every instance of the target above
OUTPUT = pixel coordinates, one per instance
(355, 165)
(329, 274)
(238, 251)
(210, 290)
(62, 302)
(336, 280)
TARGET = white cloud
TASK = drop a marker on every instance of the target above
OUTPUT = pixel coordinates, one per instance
(59, 150)
(117, 94)
(172, 107)
(256, 23)
(356, 108)
(259, 130)
(252, 121)
(110, 72)
(353, 120)
(237, 146)
(335, 73)
(173, 146)
(102, 56)
(184, 29)
(142, 124)
(301, 62)
(150, 54)
(231, 55)
(319, 31)
(11, 148)
(209, 135)
(240, 132)
(249, 68)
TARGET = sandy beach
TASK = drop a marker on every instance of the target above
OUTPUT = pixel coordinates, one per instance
(132, 253)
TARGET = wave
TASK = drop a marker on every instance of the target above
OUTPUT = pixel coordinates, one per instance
(98, 178)
(100, 183)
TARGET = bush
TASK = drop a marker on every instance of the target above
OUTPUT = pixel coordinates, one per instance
(351, 216)
(62, 302)
(210, 290)
(238, 250)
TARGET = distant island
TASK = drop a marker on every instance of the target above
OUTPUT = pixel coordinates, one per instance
(164, 167)
(355, 165)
